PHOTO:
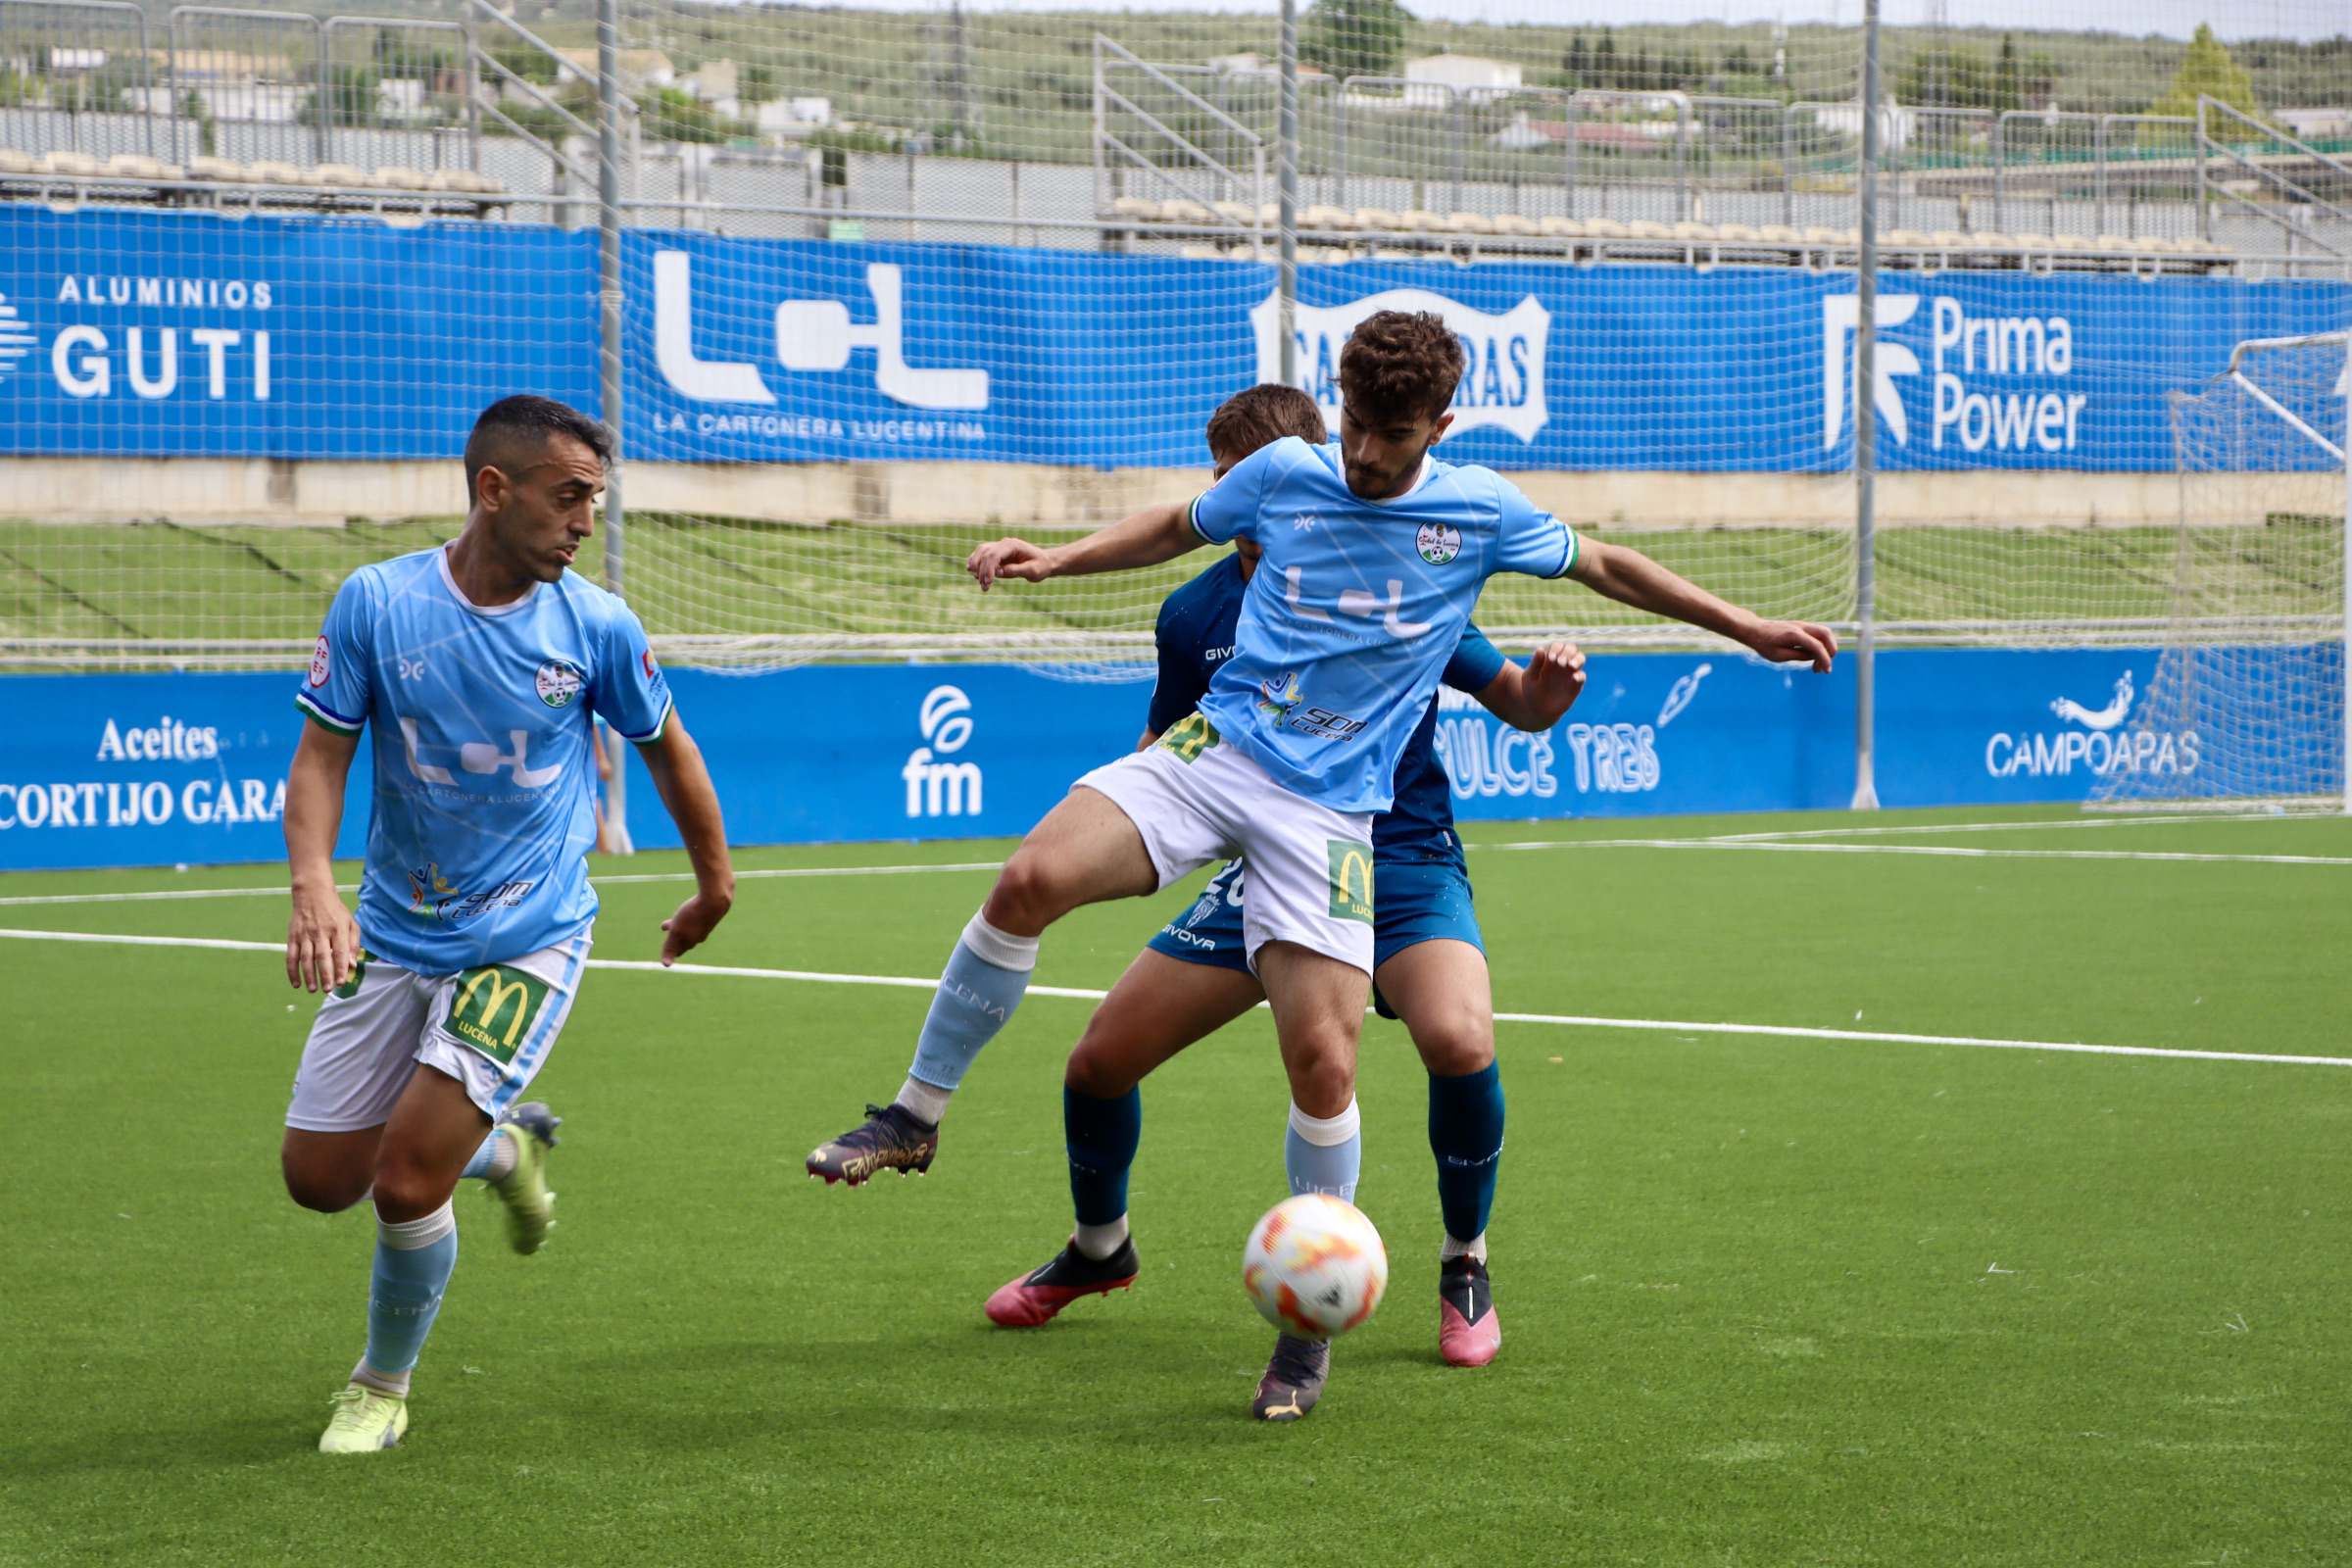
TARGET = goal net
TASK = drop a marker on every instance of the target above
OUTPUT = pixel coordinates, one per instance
(2248, 704)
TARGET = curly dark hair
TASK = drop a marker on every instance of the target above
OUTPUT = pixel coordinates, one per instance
(1261, 416)
(1401, 364)
(513, 428)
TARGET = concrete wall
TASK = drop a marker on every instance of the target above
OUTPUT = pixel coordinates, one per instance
(273, 491)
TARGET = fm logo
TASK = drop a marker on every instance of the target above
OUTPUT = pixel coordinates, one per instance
(935, 788)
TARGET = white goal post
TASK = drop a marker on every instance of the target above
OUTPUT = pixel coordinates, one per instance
(2251, 694)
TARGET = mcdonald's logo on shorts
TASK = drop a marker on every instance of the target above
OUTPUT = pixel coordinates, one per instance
(1189, 737)
(494, 1008)
(1350, 881)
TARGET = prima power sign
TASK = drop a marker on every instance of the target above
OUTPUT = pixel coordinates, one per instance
(164, 334)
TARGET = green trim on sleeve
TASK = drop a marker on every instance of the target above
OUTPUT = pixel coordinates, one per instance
(1192, 519)
(323, 718)
(1576, 548)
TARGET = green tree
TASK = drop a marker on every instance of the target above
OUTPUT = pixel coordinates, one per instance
(2207, 68)
(672, 115)
(1354, 37)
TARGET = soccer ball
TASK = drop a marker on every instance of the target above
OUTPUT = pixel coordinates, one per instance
(1315, 1266)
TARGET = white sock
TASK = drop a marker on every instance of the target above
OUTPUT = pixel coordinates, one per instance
(1098, 1241)
(928, 1101)
(408, 1234)
(396, 1384)
(504, 1156)
(1473, 1248)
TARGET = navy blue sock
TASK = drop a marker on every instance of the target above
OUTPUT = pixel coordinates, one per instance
(1465, 1133)
(1101, 1135)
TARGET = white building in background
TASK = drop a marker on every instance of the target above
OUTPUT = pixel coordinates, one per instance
(2315, 124)
(787, 119)
(1471, 77)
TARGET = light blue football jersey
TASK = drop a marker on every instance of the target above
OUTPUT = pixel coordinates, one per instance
(485, 768)
(1357, 604)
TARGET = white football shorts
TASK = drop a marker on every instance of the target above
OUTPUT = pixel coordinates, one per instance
(1196, 799)
(489, 1027)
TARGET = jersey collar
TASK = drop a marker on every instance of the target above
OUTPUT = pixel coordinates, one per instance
(1429, 466)
(449, 581)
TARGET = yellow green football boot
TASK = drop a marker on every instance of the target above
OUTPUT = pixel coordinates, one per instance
(365, 1421)
(523, 1190)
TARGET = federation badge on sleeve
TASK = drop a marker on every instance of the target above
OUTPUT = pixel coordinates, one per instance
(318, 663)
(557, 683)
(1439, 542)
(650, 669)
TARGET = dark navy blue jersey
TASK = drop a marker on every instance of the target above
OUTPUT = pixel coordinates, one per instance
(1196, 627)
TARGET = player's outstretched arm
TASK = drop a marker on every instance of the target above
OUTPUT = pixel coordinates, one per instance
(1534, 697)
(684, 784)
(1153, 535)
(322, 940)
(1632, 578)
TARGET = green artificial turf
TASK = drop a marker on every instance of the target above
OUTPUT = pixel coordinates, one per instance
(1766, 1300)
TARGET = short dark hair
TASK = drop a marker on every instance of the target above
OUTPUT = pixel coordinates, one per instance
(1261, 416)
(526, 421)
(1401, 364)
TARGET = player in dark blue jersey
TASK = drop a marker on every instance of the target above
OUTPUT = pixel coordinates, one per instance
(1428, 962)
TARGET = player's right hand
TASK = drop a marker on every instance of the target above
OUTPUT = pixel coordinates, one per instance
(323, 941)
(1008, 558)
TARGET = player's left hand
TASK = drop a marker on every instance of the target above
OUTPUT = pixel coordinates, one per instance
(1794, 642)
(1555, 677)
(692, 925)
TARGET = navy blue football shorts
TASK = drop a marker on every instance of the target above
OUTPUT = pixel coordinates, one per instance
(1412, 900)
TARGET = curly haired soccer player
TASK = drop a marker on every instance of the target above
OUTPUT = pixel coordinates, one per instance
(1374, 553)
(1428, 964)
(480, 668)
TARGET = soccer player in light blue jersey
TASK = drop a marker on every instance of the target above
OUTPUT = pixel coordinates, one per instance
(479, 668)
(1374, 553)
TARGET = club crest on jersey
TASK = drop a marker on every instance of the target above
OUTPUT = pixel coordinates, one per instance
(1277, 697)
(557, 683)
(1437, 542)
(318, 663)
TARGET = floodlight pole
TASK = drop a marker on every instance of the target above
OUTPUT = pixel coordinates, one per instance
(1866, 428)
(1286, 167)
(608, 224)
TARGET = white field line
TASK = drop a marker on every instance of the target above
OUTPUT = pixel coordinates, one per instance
(1657, 1025)
(599, 881)
(1927, 849)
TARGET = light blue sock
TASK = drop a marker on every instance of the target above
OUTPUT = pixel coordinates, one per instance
(413, 1265)
(1324, 1155)
(983, 984)
(486, 1160)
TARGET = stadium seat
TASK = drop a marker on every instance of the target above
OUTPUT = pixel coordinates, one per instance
(1736, 231)
(1780, 235)
(1420, 220)
(13, 161)
(466, 182)
(1320, 216)
(1125, 206)
(2037, 242)
(72, 163)
(1201, 253)
(1241, 212)
(1562, 229)
(138, 165)
(1815, 235)
(1691, 228)
(1376, 218)
(342, 175)
(393, 176)
(1648, 228)
(1513, 223)
(1269, 214)
(1605, 228)
(1904, 239)
(1992, 238)
(1179, 210)
(2111, 242)
(270, 172)
(2156, 244)
(1947, 238)
(1470, 223)
(204, 166)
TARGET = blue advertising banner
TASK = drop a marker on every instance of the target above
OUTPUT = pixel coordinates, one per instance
(169, 334)
(178, 334)
(158, 769)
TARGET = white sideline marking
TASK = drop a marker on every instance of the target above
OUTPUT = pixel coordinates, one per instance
(599, 881)
(910, 982)
(1925, 849)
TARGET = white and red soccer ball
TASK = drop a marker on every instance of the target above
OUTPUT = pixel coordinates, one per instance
(1314, 1266)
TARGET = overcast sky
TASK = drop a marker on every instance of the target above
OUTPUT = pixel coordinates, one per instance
(2231, 19)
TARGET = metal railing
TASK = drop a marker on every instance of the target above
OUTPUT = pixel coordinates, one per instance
(2292, 195)
(1119, 157)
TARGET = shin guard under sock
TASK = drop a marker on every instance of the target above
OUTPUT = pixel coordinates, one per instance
(1101, 1136)
(983, 983)
(1324, 1154)
(1465, 1133)
(413, 1261)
